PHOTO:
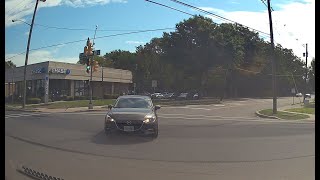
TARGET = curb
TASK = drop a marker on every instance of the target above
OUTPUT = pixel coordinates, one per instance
(274, 117)
(266, 116)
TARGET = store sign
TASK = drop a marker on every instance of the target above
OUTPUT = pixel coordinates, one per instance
(38, 70)
(60, 71)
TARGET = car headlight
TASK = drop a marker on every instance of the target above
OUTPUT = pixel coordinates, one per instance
(109, 118)
(149, 118)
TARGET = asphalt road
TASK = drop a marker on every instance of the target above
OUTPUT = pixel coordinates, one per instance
(224, 141)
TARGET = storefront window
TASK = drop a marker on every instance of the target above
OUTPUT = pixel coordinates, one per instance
(59, 87)
(80, 88)
(39, 88)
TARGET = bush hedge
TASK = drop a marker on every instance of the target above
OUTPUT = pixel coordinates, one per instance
(33, 100)
(80, 98)
(110, 96)
(68, 98)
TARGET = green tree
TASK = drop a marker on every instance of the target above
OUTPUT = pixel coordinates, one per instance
(312, 75)
(9, 65)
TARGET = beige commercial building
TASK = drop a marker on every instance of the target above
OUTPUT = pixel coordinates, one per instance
(66, 79)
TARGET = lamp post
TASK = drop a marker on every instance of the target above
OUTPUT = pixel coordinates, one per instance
(27, 54)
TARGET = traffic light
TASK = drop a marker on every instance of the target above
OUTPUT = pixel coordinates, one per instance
(88, 65)
(88, 69)
(95, 66)
(88, 53)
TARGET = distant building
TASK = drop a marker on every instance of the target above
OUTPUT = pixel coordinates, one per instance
(67, 79)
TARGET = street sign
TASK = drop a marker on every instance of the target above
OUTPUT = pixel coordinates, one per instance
(96, 52)
(154, 83)
(293, 90)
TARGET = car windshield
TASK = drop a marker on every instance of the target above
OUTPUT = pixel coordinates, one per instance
(133, 103)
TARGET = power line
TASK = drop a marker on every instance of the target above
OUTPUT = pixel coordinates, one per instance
(19, 4)
(71, 42)
(266, 5)
(17, 12)
(226, 19)
(170, 7)
(84, 29)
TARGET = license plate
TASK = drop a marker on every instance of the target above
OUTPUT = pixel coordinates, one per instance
(128, 128)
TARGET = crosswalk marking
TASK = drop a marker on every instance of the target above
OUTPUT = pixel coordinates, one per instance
(25, 115)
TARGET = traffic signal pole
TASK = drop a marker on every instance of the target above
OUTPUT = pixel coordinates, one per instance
(91, 64)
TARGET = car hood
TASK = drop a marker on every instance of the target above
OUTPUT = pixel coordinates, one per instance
(129, 113)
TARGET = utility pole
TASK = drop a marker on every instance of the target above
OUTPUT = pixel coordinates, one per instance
(27, 55)
(274, 87)
(91, 64)
(12, 84)
(306, 83)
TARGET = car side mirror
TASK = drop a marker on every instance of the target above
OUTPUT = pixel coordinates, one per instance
(110, 106)
(157, 107)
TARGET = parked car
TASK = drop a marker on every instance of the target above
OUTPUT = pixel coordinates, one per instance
(131, 93)
(157, 96)
(307, 95)
(171, 96)
(167, 95)
(182, 96)
(196, 96)
(146, 94)
(299, 95)
(132, 113)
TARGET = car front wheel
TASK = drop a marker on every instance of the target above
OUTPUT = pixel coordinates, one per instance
(156, 132)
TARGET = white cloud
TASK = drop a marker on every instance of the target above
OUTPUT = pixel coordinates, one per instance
(234, 2)
(40, 56)
(295, 20)
(135, 42)
(15, 9)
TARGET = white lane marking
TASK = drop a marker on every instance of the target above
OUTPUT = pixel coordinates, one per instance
(242, 120)
(186, 107)
(216, 118)
(197, 105)
(219, 105)
(234, 104)
(207, 116)
(24, 115)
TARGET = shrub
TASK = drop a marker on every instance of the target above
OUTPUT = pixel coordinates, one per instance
(33, 100)
(110, 96)
(80, 98)
(68, 98)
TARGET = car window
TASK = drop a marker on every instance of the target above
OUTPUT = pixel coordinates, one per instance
(133, 103)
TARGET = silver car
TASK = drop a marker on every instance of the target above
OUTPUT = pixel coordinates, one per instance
(132, 114)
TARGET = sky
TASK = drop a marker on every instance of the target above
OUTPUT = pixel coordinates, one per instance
(61, 21)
